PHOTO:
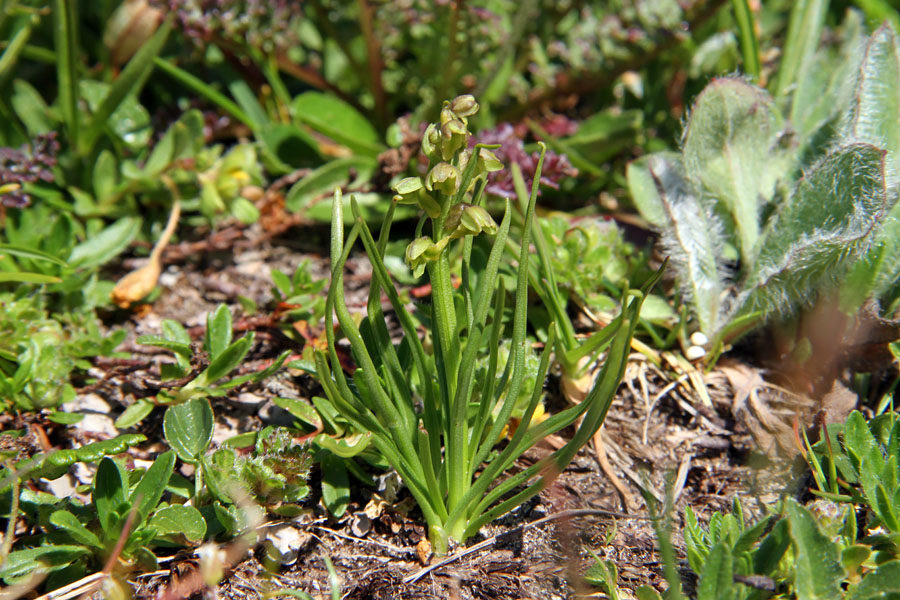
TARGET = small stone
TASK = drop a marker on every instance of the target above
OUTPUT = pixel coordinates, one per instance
(695, 353)
(283, 543)
(360, 524)
(699, 339)
(96, 415)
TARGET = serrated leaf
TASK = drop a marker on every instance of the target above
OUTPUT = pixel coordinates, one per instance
(105, 245)
(830, 219)
(733, 155)
(716, 580)
(690, 234)
(109, 493)
(78, 532)
(177, 520)
(218, 331)
(147, 493)
(817, 567)
(188, 428)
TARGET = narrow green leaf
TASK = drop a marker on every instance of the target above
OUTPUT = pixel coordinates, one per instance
(324, 179)
(147, 493)
(200, 87)
(218, 332)
(248, 102)
(134, 414)
(110, 492)
(22, 563)
(105, 176)
(161, 342)
(817, 567)
(747, 34)
(105, 245)
(31, 253)
(65, 29)
(804, 31)
(129, 82)
(161, 155)
(37, 278)
(188, 428)
(228, 359)
(71, 525)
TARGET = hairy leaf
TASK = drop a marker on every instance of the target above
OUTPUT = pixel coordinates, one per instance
(734, 156)
(817, 566)
(188, 428)
(830, 219)
(690, 234)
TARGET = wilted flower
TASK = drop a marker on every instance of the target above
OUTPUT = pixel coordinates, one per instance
(26, 165)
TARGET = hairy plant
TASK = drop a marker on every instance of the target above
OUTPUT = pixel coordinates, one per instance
(762, 215)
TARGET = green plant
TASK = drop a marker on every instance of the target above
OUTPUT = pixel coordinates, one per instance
(443, 452)
(198, 376)
(759, 220)
(39, 351)
(122, 522)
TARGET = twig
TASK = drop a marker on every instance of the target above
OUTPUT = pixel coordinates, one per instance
(566, 514)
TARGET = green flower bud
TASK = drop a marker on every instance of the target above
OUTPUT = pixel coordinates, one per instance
(469, 219)
(422, 251)
(488, 161)
(464, 106)
(454, 136)
(431, 142)
(408, 188)
(444, 177)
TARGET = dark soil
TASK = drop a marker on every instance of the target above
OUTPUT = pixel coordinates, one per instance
(659, 437)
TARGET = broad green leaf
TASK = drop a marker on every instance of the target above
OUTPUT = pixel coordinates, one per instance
(229, 359)
(335, 485)
(71, 525)
(881, 584)
(338, 120)
(177, 520)
(105, 245)
(645, 592)
(31, 108)
(188, 428)
(65, 418)
(174, 331)
(716, 580)
(286, 147)
(147, 493)
(733, 155)
(218, 331)
(134, 414)
(110, 492)
(830, 218)
(300, 409)
(817, 567)
(690, 233)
